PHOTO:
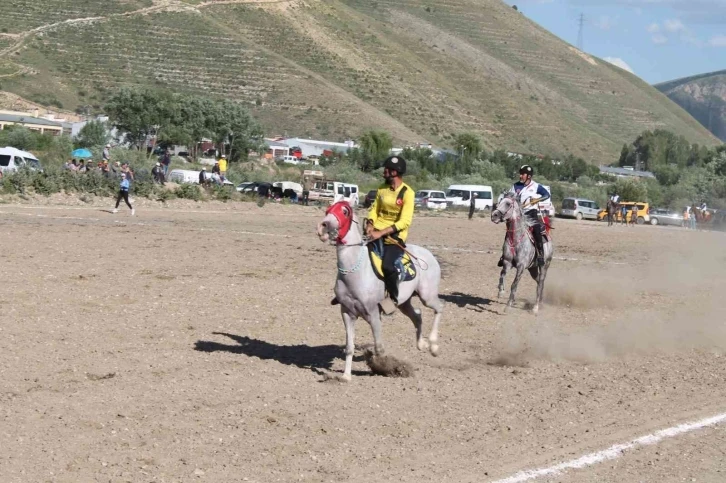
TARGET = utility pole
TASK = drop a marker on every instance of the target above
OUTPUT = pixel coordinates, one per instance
(580, 32)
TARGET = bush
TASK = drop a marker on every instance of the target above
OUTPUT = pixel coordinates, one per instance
(188, 191)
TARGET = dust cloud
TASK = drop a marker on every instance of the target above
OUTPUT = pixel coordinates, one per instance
(667, 301)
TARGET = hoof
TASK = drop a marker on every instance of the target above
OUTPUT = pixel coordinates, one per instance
(337, 378)
(422, 345)
(500, 295)
(506, 307)
(535, 309)
(434, 349)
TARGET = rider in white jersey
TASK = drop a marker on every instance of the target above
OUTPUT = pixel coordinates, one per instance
(530, 193)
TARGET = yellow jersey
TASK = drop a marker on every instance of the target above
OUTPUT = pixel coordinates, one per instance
(391, 209)
(223, 164)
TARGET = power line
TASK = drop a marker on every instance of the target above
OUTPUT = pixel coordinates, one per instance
(580, 33)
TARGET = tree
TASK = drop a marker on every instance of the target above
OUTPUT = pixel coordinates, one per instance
(631, 189)
(468, 145)
(376, 146)
(183, 119)
(667, 175)
(94, 133)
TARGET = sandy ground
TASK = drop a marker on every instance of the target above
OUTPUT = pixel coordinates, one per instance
(192, 343)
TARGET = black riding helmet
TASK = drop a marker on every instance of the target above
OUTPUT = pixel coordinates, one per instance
(526, 169)
(395, 163)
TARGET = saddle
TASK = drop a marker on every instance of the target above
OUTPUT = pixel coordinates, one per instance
(406, 267)
(546, 234)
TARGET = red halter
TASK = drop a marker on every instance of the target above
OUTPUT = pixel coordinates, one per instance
(342, 212)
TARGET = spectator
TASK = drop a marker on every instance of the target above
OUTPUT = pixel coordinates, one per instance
(634, 215)
(686, 214)
(82, 166)
(68, 165)
(472, 205)
(307, 184)
(692, 218)
(203, 180)
(107, 153)
(158, 174)
(123, 193)
(223, 166)
(165, 162)
(216, 169)
(623, 215)
(216, 178)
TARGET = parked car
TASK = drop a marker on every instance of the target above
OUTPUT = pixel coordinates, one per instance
(660, 216)
(253, 186)
(579, 208)
(431, 199)
(643, 208)
(369, 198)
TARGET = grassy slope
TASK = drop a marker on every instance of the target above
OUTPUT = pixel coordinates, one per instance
(335, 68)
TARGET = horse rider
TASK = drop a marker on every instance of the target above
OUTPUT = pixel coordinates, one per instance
(530, 193)
(615, 198)
(389, 218)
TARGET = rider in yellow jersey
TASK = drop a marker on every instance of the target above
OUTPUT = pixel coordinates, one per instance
(389, 218)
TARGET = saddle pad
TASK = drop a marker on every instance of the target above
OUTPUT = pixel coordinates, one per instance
(406, 267)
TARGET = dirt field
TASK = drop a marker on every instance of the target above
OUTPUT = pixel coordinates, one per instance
(191, 343)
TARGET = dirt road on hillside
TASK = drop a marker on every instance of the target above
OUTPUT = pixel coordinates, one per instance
(192, 344)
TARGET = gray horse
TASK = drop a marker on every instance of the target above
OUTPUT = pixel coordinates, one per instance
(360, 292)
(519, 249)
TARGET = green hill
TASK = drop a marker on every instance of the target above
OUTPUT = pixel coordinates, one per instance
(704, 97)
(423, 70)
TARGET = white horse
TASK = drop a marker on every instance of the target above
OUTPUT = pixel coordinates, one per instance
(519, 250)
(360, 291)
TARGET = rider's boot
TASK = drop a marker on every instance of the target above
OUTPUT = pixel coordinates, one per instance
(390, 303)
(539, 245)
(500, 263)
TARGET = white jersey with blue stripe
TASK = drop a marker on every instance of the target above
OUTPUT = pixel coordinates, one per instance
(531, 191)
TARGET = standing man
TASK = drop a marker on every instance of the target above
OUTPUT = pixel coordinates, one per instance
(389, 218)
(472, 205)
(307, 184)
(165, 162)
(223, 167)
(107, 153)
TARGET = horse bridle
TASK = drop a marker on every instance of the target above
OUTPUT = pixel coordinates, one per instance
(511, 207)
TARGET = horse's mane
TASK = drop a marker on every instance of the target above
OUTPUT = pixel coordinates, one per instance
(513, 198)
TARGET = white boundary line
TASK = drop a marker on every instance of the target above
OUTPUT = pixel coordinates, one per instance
(613, 452)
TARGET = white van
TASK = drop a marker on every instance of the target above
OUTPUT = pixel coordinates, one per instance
(11, 159)
(290, 160)
(334, 191)
(190, 176)
(547, 207)
(460, 195)
(285, 185)
(346, 192)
